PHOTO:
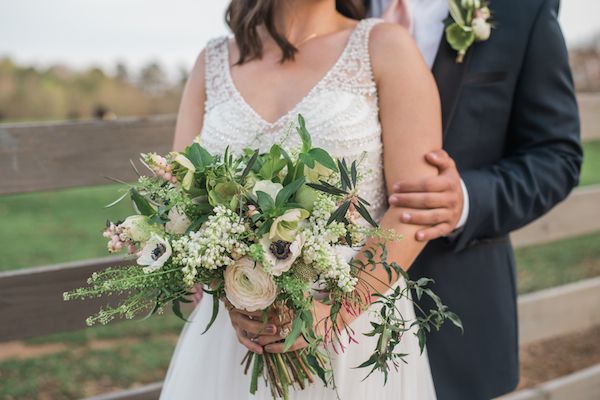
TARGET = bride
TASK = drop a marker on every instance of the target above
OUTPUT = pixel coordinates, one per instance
(366, 94)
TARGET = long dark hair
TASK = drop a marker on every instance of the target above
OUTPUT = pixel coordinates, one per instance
(244, 17)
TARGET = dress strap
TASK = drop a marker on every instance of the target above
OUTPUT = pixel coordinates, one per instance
(354, 72)
(215, 71)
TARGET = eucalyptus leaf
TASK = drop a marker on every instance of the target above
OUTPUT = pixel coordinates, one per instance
(322, 157)
(141, 203)
(215, 312)
(265, 202)
(288, 191)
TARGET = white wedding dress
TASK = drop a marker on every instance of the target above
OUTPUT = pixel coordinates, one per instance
(342, 116)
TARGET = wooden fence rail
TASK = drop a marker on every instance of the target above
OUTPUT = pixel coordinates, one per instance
(36, 157)
(58, 155)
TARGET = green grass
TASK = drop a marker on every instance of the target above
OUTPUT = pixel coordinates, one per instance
(75, 373)
(543, 266)
(590, 173)
(51, 227)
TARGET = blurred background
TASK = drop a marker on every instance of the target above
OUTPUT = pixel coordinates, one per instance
(97, 82)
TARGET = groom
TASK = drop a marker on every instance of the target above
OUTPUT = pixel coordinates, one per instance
(512, 152)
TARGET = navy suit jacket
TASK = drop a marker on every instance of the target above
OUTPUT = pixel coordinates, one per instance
(511, 124)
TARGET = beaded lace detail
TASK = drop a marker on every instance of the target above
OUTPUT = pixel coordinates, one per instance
(341, 112)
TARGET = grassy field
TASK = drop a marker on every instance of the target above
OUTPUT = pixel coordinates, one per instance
(46, 228)
(590, 173)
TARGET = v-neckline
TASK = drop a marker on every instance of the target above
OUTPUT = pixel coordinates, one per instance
(252, 111)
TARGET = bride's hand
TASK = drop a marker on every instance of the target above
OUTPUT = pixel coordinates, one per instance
(250, 329)
(274, 343)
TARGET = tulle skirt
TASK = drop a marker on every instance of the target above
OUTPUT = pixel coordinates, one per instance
(208, 366)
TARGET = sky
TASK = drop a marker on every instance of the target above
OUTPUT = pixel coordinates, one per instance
(100, 32)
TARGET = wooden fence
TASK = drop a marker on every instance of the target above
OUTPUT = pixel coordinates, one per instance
(36, 157)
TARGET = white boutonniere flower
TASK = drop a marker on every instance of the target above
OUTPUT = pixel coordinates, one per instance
(469, 22)
(155, 254)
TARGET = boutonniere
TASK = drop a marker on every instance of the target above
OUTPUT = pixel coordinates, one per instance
(469, 22)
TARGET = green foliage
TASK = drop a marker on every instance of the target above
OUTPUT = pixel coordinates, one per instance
(30, 93)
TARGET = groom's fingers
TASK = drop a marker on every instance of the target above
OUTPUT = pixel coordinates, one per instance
(440, 159)
(421, 200)
(434, 232)
(431, 184)
(426, 217)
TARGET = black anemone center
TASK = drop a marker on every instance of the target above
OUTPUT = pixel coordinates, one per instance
(158, 251)
(280, 249)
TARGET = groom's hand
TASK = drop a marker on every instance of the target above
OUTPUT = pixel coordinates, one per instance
(435, 202)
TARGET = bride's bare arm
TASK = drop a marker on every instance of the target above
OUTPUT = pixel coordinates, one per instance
(411, 127)
(191, 108)
(410, 116)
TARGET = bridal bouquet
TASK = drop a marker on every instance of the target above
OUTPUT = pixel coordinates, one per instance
(265, 232)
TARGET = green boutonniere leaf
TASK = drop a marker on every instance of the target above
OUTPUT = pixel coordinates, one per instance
(460, 38)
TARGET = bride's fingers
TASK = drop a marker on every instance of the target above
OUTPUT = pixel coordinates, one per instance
(264, 340)
(245, 340)
(251, 326)
(300, 343)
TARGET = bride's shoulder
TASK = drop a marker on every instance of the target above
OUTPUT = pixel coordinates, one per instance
(391, 46)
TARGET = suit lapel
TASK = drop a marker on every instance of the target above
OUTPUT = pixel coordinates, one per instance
(449, 76)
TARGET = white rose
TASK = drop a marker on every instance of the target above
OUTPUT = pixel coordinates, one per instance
(154, 254)
(248, 287)
(178, 222)
(481, 28)
(268, 187)
(279, 254)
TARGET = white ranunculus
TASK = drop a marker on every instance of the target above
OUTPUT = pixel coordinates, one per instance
(481, 28)
(178, 222)
(248, 287)
(137, 228)
(279, 254)
(268, 187)
(154, 254)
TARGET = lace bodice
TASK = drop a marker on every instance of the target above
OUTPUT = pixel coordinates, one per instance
(341, 113)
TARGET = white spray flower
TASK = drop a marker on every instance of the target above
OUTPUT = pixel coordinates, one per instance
(178, 222)
(268, 187)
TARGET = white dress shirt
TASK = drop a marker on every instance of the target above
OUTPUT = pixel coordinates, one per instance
(428, 28)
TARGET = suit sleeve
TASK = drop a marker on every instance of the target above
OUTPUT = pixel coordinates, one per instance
(545, 155)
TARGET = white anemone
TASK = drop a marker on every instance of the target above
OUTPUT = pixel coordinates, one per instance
(279, 254)
(154, 254)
